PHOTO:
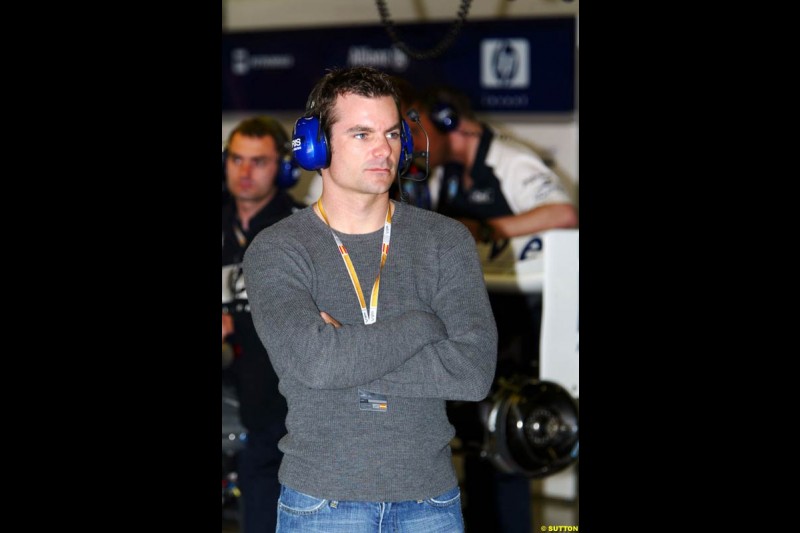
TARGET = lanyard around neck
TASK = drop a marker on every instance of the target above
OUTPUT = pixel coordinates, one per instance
(241, 237)
(372, 315)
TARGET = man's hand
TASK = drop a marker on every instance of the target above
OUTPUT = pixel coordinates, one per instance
(329, 319)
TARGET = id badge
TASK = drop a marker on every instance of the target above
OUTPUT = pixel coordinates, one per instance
(371, 401)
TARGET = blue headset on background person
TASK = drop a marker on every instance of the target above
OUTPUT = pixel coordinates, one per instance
(444, 117)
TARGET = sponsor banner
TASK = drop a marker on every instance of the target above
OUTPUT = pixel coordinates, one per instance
(510, 65)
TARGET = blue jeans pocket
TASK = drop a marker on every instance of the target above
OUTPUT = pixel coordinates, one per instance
(299, 503)
(446, 499)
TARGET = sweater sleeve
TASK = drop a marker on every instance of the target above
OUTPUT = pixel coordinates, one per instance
(279, 279)
(462, 366)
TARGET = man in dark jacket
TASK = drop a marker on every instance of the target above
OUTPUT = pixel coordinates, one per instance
(258, 169)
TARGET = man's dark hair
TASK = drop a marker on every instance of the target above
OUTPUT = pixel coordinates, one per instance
(362, 81)
(259, 127)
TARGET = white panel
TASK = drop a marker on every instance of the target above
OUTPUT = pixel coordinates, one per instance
(559, 350)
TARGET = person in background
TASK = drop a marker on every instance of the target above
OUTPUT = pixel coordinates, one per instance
(496, 185)
(257, 173)
(499, 188)
(374, 313)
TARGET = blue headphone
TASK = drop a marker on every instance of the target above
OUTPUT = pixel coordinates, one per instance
(444, 117)
(288, 172)
(310, 145)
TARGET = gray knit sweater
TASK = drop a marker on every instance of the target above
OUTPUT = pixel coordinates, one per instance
(435, 339)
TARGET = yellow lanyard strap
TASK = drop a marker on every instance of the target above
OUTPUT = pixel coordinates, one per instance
(372, 315)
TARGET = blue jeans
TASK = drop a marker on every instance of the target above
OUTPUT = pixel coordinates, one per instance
(301, 513)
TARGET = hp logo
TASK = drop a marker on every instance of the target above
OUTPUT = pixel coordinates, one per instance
(505, 63)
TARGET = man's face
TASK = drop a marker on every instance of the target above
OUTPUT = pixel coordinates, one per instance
(251, 167)
(365, 144)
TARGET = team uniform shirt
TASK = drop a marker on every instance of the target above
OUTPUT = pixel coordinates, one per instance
(367, 418)
(508, 179)
(255, 380)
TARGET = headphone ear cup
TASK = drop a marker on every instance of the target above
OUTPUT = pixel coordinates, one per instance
(309, 144)
(444, 117)
(288, 173)
(406, 148)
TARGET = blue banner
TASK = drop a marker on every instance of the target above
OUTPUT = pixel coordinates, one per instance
(515, 65)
